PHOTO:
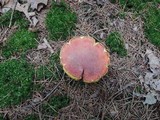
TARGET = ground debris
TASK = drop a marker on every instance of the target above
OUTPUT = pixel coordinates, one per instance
(27, 8)
(34, 3)
(151, 79)
(45, 45)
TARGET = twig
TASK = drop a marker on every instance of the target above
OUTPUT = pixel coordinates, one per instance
(12, 14)
(100, 30)
(49, 94)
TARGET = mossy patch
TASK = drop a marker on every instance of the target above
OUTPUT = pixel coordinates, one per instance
(152, 24)
(15, 82)
(17, 19)
(116, 44)
(54, 104)
(60, 21)
(19, 42)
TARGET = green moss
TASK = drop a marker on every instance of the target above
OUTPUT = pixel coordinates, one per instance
(17, 19)
(116, 44)
(22, 23)
(60, 21)
(19, 42)
(152, 24)
(15, 82)
(54, 104)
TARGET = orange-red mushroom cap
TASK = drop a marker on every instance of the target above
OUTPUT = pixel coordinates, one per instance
(83, 58)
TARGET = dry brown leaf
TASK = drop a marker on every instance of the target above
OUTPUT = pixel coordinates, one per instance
(30, 15)
(154, 62)
(45, 45)
(23, 8)
(10, 4)
(34, 21)
(151, 80)
(42, 46)
(34, 3)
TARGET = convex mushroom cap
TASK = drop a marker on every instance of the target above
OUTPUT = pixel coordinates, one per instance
(83, 58)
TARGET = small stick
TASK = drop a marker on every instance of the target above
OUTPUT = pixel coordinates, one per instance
(12, 15)
(52, 91)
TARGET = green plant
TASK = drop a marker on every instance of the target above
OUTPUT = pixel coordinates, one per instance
(15, 82)
(54, 104)
(152, 24)
(19, 42)
(116, 44)
(60, 21)
(17, 19)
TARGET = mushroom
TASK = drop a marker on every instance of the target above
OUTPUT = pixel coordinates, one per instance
(83, 58)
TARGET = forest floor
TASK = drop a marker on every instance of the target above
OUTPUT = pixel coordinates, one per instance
(56, 96)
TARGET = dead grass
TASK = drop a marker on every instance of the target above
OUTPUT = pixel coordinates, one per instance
(111, 98)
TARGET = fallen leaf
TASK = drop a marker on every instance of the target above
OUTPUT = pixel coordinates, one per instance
(40, 6)
(34, 21)
(34, 3)
(151, 80)
(8, 5)
(150, 99)
(154, 62)
(42, 46)
(24, 8)
(28, 4)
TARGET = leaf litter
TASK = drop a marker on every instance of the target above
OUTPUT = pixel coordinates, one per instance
(110, 98)
(151, 79)
(28, 8)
